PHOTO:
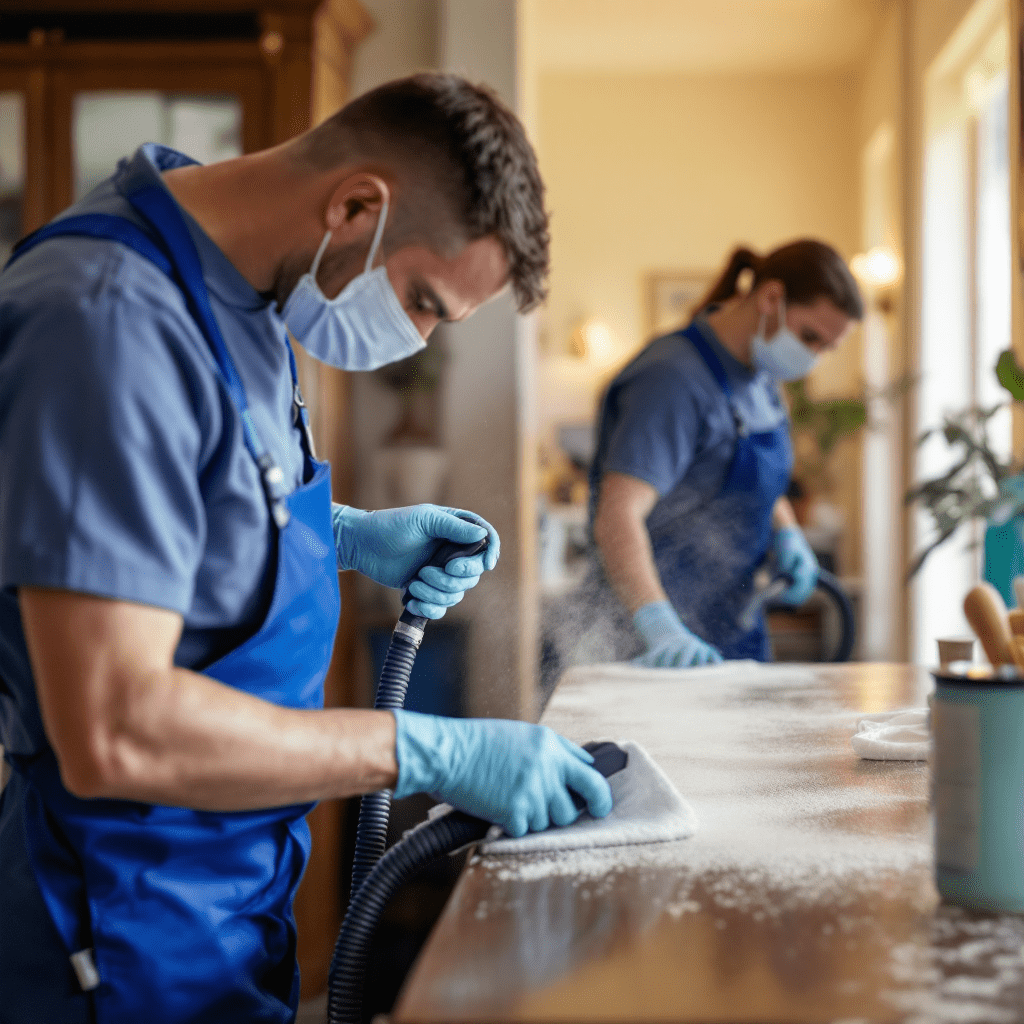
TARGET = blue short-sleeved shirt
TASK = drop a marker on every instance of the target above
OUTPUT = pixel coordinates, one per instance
(666, 420)
(122, 467)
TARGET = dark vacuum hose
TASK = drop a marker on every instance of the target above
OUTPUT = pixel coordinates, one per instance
(375, 808)
(420, 847)
(376, 875)
(833, 588)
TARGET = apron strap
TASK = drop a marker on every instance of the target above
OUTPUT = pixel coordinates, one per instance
(696, 338)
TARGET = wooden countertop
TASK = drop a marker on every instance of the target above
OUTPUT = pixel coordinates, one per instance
(805, 896)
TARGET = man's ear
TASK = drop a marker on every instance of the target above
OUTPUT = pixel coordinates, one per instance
(355, 206)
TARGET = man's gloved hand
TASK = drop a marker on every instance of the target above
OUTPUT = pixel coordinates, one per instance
(669, 643)
(513, 774)
(794, 557)
(389, 546)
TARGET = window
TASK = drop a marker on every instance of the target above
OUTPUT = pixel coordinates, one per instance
(966, 279)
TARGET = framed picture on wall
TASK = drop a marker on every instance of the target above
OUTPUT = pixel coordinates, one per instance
(672, 297)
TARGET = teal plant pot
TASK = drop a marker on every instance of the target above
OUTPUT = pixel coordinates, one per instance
(1004, 556)
(1004, 545)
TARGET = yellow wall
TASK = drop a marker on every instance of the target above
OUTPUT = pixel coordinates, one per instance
(667, 172)
(671, 172)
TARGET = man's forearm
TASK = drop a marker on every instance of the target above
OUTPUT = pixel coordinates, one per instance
(189, 740)
(126, 724)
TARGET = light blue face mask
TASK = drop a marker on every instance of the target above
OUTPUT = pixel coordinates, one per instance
(363, 327)
(785, 356)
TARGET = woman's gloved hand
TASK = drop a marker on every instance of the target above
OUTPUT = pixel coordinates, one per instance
(794, 557)
(669, 643)
(390, 546)
(513, 774)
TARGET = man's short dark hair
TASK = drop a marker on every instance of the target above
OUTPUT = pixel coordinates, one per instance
(475, 171)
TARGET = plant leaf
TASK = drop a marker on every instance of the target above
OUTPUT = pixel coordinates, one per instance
(1010, 374)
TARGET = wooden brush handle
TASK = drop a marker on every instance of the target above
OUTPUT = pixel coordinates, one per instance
(1016, 620)
(986, 613)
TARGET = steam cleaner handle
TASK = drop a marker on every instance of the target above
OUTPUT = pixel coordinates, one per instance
(443, 554)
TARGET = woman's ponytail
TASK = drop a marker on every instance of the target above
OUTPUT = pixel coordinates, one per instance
(808, 270)
(728, 284)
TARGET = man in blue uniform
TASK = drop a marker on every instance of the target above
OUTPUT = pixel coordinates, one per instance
(169, 552)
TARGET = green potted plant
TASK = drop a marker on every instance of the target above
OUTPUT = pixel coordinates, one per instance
(979, 486)
(817, 426)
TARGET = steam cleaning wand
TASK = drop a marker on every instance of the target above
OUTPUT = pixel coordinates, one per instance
(768, 593)
(376, 875)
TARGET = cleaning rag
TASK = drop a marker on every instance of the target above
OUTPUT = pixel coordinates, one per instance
(893, 736)
(647, 809)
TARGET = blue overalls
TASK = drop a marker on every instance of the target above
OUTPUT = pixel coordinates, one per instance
(170, 914)
(707, 561)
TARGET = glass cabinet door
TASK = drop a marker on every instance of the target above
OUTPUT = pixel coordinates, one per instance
(12, 170)
(103, 114)
(110, 124)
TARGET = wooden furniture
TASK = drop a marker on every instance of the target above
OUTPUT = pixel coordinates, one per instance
(805, 896)
(260, 52)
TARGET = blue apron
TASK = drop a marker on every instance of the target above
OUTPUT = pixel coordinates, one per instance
(169, 914)
(707, 562)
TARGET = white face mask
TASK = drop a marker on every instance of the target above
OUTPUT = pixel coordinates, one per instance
(785, 357)
(363, 327)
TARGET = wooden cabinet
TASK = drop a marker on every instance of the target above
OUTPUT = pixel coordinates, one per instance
(59, 51)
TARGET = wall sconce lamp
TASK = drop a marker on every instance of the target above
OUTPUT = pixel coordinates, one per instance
(592, 339)
(880, 270)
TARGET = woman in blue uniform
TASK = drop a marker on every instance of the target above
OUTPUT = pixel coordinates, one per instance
(694, 457)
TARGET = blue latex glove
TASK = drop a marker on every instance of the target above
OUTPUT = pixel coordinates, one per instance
(513, 774)
(669, 643)
(794, 557)
(390, 546)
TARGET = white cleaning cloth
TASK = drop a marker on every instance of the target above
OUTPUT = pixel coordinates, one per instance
(893, 736)
(647, 809)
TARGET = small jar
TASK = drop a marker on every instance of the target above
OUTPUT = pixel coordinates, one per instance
(977, 722)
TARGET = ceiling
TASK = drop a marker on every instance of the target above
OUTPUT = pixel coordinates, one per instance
(702, 36)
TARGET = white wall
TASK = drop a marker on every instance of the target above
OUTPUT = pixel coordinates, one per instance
(883, 182)
(404, 41)
(484, 408)
(482, 405)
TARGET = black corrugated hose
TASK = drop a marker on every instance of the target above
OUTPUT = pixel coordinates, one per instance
(375, 808)
(377, 876)
(831, 586)
(371, 889)
(419, 848)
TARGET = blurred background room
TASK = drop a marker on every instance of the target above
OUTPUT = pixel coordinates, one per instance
(668, 132)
